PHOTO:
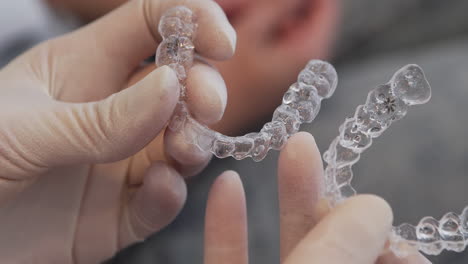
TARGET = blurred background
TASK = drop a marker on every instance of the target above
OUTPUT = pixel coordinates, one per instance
(419, 165)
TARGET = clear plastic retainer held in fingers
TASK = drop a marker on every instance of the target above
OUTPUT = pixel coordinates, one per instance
(301, 103)
(386, 104)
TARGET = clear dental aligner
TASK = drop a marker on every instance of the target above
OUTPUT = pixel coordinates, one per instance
(301, 103)
(386, 104)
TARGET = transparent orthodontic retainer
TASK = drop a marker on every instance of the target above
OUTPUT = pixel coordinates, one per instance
(301, 103)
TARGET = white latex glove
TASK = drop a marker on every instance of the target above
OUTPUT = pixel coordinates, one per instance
(86, 166)
(355, 232)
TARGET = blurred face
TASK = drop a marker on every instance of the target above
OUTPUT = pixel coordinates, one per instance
(87, 10)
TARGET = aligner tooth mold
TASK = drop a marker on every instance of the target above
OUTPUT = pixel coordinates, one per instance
(301, 103)
(386, 104)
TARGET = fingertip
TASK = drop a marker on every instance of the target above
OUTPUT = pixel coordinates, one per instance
(374, 206)
(371, 216)
(166, 74)
(165, 189)
(302, 135)
(232, 41)
(188, 158)
(216, 37)
(189, 171)
(158, 201)
(149, 104)
(298, 144)
(230, 176)
(226, 44)
(302, 157)
(207, 94)
(226, 222)
(227, 192)
(185, 153)
(168, 186)
(228, 181)
(167, 79)
(300, 141)
(158, 91)
(299, 165)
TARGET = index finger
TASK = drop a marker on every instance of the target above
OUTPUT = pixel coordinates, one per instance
(299, 180)
(226, 222)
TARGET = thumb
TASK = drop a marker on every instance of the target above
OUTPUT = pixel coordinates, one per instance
(355, 233)
(63, 134)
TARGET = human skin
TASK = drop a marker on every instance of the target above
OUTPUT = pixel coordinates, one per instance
(355, 232)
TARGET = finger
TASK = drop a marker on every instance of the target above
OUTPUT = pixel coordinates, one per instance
(206, 99)
(390, 258)
(154, 205)
(98, 132)
(188, 171)
(124, 47)
(164, 148)
(188, 158)
(299, 179)
(354, 233)
(206, 94)
(226, 222)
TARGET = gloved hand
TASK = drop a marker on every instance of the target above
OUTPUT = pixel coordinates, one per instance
(355, 232)
(86, 165)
